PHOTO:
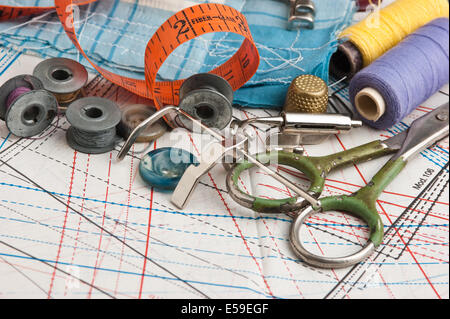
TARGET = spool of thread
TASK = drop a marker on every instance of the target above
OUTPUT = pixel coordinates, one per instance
(404, 77)
(65, 78)
(15, 94)
(26, 108)
(208, 98)
(93, 125)
(381, 31)
(95, 140)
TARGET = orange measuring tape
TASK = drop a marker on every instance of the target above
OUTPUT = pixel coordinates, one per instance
(183, 26)
(14, 12)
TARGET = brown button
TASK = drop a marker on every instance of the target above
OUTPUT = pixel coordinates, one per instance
(307, 94)
(133, 115)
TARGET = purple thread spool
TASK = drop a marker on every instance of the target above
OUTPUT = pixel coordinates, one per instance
(407, 75)
(15, 94)
(26, 108)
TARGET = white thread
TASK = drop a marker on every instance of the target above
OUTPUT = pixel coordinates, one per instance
(28, 22)
(285, 61)
(215, 52)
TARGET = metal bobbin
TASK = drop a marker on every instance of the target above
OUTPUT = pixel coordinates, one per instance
(93, 125)
(208, 98)
(30, 113)
(63, 77)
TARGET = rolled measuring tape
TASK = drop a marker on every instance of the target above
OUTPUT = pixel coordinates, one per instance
(183, 26)
(14, 12)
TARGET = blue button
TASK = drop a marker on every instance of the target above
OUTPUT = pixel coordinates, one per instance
(164, 167)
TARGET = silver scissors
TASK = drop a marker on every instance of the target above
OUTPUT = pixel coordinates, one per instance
(423, 132)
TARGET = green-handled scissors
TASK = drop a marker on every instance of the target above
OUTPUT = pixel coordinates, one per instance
(422, 133)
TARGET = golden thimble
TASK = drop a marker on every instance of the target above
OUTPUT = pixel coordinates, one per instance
(307, 94)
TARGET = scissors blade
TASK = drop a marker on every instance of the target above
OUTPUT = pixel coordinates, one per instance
(424, 132)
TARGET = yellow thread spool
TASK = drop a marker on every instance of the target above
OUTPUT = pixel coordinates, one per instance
(382, 30)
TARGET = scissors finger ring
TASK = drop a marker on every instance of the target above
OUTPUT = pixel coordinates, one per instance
(422, 133)
(316, 170)
(375, 225)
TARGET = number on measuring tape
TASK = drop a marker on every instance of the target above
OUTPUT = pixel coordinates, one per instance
(183, 26)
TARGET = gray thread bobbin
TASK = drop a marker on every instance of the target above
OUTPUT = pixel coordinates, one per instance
(30, 113)
(93, 125)
(63, 77)
(208, 98)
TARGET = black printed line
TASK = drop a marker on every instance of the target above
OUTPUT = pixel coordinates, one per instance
(55, 267)
(106, 231)
(418, 197)
(25, 275)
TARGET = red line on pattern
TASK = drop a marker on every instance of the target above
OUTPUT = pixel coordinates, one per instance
(366, 231)
(81, 212)
(241, 234)
(301, 176)
(56, 276)
(398, 234)
(235, 223)
(272, 237)
(103, 224)
(148, 238)
(318, 245)
(412, 255)
(268, 229)
(126, 218)
(443, 240)
(64, 224)
(414, 210)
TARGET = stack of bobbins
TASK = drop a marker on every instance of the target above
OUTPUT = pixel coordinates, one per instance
(307, 94)
(64, 78)
(93, 123)
(26, 108)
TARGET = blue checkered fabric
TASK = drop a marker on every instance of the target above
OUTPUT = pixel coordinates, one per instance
(115, 33)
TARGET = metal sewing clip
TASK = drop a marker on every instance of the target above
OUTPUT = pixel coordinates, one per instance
(167, 110)
(303, 119)
(214, 153)
(301, 14)
(300, 128)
